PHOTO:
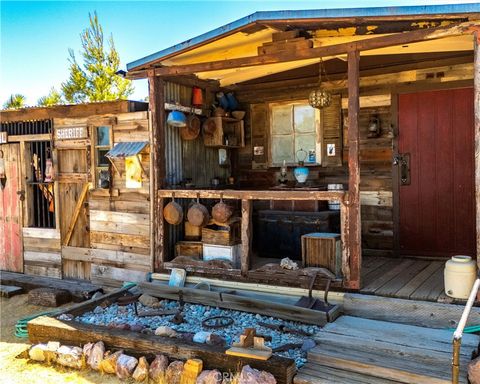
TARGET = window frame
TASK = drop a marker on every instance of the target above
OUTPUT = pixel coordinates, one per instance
(317, 129)
(95, 148)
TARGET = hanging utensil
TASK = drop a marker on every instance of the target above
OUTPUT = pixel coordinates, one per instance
(173, 212)
(198, 214)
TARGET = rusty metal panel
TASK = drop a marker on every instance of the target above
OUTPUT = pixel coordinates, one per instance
(126, 149)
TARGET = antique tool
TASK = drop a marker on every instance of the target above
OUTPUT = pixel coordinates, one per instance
(129, 299)
(217, 322)
(250, 345)
(283, 328)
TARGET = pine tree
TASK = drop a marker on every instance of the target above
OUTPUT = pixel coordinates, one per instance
(53, 98)
(15, 101)
(95, 79)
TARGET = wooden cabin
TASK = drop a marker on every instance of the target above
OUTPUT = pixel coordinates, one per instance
(59, 218)
(399, 135)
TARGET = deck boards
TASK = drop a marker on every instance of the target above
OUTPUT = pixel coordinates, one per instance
(403, 278)
(357, 350)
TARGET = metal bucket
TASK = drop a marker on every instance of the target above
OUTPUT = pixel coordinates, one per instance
(334, 205)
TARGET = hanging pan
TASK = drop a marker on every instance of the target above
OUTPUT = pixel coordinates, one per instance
(191, 129)
(221, 212)
(209, 127)
(173, 212)
(198, 215)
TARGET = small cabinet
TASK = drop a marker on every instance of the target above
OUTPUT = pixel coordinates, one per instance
(227, 133)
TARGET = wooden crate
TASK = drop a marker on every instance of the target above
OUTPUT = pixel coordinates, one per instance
(222, 234)
(229, 253)
(322, 250)
(189, 248)
(192, 232)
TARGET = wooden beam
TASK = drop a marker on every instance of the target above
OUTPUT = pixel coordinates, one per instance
(354, 223)
(252, 195)
(476, 80)
(157, 116)
(246, 228)
(76, 213)
(324, 51)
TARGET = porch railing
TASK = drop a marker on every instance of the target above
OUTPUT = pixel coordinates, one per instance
(457, 335)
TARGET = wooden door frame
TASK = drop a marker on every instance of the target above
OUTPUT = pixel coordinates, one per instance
(414, 88)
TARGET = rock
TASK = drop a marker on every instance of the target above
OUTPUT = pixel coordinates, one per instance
(254, 376)
(187, 336)
(210, 377)
(114, 325)
(147, 331)
(37, 352)
(191, 370)
(174, 372)
(96, 355)
(308, 344)
(109, 362)
(201, 337)
(70, 357)
(98, 310)
(163, 330)
(214, 339)
(87, 350)
(141, 372)
(474, 371)
(136, 327)
(286, 263)
(149, 301)
(157, 369)
(65, 317)
(125, 366)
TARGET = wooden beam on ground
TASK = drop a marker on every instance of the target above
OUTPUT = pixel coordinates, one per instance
(476, 98)
(312, 53)
(354, 221)
(246, 228)
(76, 213)
(44, 329)
(157, 116)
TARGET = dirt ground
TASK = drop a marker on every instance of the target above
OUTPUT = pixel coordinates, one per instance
(21, 371)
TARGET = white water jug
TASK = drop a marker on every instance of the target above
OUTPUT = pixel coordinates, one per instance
(460, 274)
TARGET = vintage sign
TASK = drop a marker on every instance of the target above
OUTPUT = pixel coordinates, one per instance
(71, 133)
(3, 137)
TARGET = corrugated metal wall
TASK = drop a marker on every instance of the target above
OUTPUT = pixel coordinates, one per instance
(186, 159)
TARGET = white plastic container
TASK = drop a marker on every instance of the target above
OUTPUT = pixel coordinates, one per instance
(460, 274)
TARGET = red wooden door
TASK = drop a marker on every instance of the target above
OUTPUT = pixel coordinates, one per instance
(437, 206)
(11, 254)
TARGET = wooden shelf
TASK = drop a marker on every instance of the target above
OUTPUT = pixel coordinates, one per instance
(183, 108)
(226, 126)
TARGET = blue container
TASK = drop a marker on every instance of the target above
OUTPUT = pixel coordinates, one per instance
(301, 174)
(177, 119)
(232, 102)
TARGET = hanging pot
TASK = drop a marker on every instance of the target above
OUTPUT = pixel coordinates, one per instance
(177, 119)
(197, 97)
(191, 129)
(198, 214)
(173, 213)
(221, 212)
(209, 127)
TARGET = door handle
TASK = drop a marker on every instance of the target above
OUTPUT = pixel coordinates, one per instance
(403, 160)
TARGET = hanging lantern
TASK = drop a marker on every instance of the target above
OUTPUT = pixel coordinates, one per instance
(320, 97)
(3, 173)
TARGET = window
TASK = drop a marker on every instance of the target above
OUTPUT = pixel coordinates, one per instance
(294, 129)
(102, 144)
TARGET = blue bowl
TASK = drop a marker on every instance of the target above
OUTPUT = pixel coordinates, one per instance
(177, 119)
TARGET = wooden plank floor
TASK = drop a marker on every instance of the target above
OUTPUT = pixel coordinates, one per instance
(404, 278)
(353, 350)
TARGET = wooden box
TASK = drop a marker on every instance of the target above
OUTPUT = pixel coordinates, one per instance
(322, 250)
(189, 248)
(229, 253)
(192, 232)
(222, 234)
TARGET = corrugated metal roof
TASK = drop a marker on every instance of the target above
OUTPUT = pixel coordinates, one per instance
(264, 16)
(121, 150)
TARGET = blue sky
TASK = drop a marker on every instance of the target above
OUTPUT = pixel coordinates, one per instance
(35, 36)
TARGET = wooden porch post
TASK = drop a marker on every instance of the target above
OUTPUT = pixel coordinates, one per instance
(246, 227)
(157, 152)
(476, 100)
(354, 222)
